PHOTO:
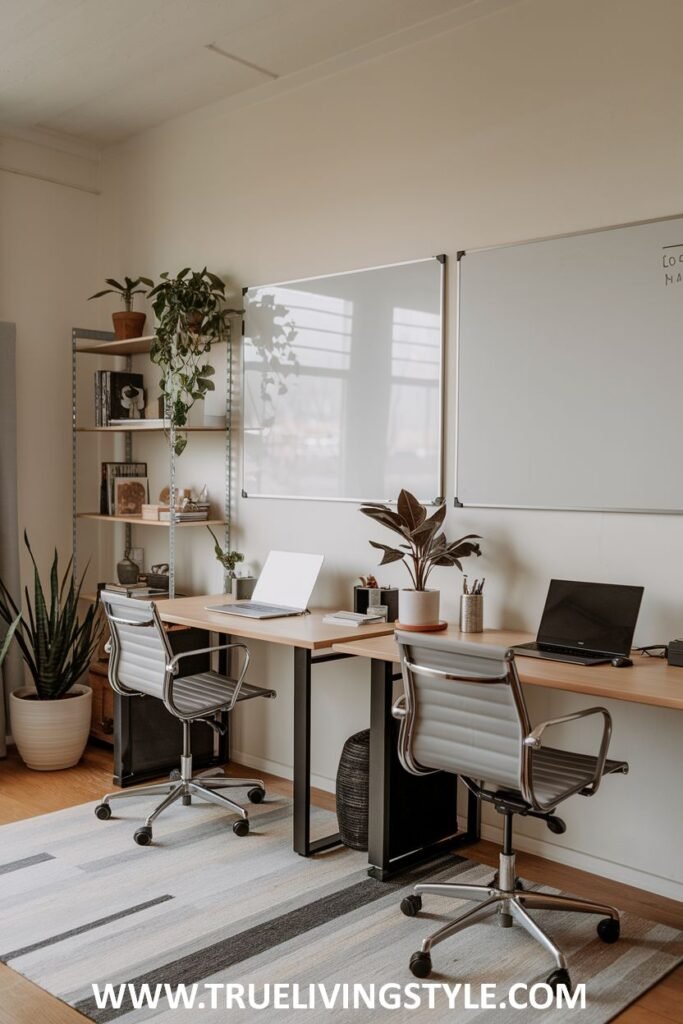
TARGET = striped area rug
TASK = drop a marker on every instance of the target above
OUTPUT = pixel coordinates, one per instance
(80, 903)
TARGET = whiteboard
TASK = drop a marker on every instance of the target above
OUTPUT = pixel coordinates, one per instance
(570, 387)
(343, 385)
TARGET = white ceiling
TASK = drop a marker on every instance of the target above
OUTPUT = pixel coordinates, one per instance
(101, 70)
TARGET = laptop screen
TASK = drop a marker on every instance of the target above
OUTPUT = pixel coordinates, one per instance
(595, 616)
(287, 579)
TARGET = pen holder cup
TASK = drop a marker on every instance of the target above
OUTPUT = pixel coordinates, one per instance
(472, 613)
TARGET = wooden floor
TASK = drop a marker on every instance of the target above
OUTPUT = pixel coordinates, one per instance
(25, 793)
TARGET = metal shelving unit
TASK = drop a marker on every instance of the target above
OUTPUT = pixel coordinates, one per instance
(105, 344)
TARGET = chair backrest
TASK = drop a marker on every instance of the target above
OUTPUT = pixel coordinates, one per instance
(140, 650)
(465, 711)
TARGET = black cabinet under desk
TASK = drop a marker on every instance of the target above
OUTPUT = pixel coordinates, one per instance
(148, 739)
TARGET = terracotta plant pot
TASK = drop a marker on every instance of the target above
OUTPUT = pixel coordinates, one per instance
(50, 734)
(128, 325)
(418, 607)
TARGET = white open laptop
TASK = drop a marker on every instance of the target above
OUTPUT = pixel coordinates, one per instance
(283, 588)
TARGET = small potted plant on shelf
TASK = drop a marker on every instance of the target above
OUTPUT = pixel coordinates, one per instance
(127, 323)
(230, 560)
(423, 547)
(50, 720)
(192, 315)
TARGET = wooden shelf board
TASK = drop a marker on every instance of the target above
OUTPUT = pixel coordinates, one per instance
(143, 430)
(130, 347)
(139, 521)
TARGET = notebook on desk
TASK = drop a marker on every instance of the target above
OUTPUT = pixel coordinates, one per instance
(283, 588)
(585, 623)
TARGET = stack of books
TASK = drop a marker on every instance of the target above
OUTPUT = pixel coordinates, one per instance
(194, 515)
(135, 590)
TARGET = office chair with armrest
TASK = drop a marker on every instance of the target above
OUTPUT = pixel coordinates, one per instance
(143, 664)
(463, 711)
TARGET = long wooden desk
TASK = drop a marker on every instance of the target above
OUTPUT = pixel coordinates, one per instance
(650, 681)
(391, 847)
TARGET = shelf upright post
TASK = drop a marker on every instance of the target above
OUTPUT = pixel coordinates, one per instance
(76, 334)
(74, 453)
(171, 503)
(128, 457)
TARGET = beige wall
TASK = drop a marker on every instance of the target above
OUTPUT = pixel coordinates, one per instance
(49, 252)
(552, 116)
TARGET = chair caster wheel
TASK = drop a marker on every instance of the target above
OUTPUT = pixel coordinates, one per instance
(143, 836)
(411, 905)
(556, 825)
(241, 827)
(558, 978)
(421, 965)
(187, 799)
(256, 795)
(103, 812)
(608, 929)
(174, 776)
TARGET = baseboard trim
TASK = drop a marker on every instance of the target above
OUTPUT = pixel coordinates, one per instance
(589, 862)
(551, 851)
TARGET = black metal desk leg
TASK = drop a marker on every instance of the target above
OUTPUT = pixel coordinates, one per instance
(381, 741)
(303, 665)
(302, 750)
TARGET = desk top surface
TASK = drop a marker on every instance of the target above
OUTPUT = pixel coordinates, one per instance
(650, 681)
(292, 631)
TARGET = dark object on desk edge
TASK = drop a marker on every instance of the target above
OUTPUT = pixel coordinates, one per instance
(388, 597)
(674, 654)
(622, 662)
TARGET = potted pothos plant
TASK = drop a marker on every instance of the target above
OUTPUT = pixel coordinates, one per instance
(192, 315)
(50, 720)
(423, 546)
(127, 323)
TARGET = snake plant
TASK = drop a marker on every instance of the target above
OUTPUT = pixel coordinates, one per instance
(56, 645)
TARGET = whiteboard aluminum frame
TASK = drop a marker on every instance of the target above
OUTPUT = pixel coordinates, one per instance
(439, 499)
(458, 286)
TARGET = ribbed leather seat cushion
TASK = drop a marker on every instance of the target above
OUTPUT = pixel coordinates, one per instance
(558, 773)
(194, 694)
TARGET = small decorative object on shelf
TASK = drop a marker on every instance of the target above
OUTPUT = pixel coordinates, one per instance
(192, 315)
(130, 494)
(423, 547)
(127, 324)
(127, 571)
(50, 724)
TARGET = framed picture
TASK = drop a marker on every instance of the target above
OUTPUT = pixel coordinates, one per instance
(130, 494)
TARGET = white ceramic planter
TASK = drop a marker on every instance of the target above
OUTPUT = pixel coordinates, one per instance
(51, 734)
(418, 607)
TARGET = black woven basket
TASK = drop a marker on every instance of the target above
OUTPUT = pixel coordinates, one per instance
(353, 783)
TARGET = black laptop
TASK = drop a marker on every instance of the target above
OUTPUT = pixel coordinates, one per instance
(585, 623)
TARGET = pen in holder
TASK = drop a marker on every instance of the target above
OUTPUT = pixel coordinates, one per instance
(472, 613)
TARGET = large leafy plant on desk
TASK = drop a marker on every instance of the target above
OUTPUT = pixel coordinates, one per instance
(192, 315)
(56, 645)
(423, 544)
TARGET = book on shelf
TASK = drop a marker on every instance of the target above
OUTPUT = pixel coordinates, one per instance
(146, 424)
(184, 517)
(351, 619)
(112, 471)
(119, 396)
